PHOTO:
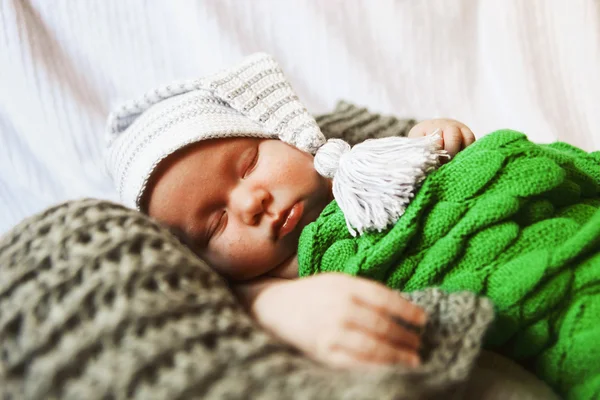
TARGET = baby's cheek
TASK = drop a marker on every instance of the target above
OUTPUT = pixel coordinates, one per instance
(246, 257)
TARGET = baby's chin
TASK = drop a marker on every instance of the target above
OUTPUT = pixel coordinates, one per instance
(288, 269)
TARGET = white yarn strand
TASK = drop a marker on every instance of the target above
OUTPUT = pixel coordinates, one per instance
(374, 181)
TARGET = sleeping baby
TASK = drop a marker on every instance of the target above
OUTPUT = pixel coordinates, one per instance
(227, 163)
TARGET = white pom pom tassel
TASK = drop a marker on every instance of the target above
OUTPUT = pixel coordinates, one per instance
(375, 180)
(327, 159)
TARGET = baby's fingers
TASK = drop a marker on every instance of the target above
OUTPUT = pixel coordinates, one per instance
(453, 140)
(372, 350)
(468, 137)
(386, 301)
(384, 327)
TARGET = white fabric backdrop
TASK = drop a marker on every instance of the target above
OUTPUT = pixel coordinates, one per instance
(531, 65)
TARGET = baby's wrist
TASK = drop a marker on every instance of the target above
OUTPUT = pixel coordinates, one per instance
(248, 292)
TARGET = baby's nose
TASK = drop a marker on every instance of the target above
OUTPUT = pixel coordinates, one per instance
(251, 205)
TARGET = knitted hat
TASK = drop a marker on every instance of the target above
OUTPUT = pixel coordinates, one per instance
(372, 183)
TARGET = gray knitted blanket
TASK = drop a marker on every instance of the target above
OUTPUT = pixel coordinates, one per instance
(100, 302)
(356, 124)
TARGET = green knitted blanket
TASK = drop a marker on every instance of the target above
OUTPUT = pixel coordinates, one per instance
(509, 219)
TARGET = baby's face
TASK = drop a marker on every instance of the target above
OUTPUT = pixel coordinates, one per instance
(241, 202)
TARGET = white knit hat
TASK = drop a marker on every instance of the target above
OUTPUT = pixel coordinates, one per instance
(254, 99)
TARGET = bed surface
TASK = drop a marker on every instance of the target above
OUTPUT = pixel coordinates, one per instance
(526, 65)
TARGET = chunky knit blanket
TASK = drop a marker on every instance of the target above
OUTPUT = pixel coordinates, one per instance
(100, 302)
(508, 219)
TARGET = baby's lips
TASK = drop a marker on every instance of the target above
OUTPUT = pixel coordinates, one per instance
(293, 217)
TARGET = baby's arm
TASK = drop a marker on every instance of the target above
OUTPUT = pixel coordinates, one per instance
(336, 319)
(455, 135)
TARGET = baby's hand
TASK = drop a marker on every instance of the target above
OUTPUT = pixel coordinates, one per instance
(455, 135)
(341, 321)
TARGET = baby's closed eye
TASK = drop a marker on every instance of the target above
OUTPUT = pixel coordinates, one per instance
(249, 161)
(217, 225)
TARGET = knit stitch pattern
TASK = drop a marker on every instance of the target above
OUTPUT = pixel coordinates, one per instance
(100, 302)
(509, 219)
(251, 99)
(355, 124)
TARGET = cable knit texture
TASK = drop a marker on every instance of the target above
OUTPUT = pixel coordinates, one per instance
(508, 219)
(99, 302)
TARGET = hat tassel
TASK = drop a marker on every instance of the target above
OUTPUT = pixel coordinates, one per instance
(374, 181)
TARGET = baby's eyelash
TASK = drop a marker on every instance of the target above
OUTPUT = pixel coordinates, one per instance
(252, 164)
(218, 226)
